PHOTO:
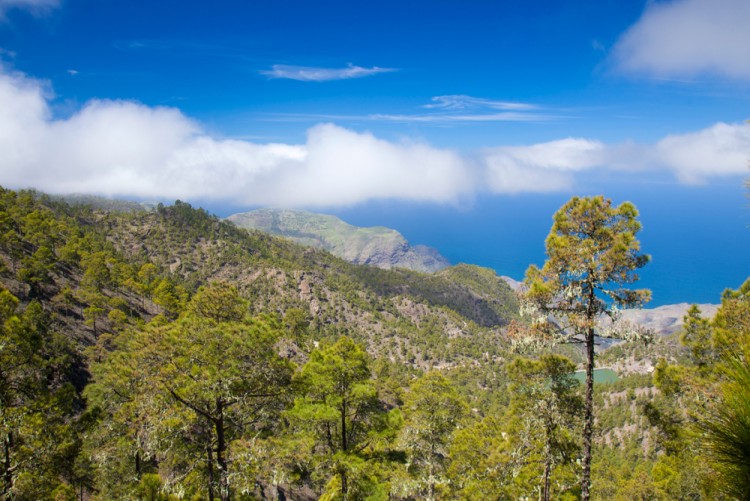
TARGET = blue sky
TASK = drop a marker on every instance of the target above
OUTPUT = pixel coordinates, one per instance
(344, 106)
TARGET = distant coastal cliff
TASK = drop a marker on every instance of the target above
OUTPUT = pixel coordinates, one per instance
(376, 246)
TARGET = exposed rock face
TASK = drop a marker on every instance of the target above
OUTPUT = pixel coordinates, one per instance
(376, 246)
(513, 283)
(666, 319)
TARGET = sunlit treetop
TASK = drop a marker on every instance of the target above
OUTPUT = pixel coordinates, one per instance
(593, 256)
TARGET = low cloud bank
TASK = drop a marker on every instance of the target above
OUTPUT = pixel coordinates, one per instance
(122, 148)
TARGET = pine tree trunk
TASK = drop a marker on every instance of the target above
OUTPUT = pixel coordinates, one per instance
(138, 467)
(210, 457)
(344, 447)
(221, 448)
(431, 481)
(547, 472)
(588, 426)
(7, 468)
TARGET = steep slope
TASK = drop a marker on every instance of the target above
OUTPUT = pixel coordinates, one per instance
(375, 246)
(403, 314)
(97, 272)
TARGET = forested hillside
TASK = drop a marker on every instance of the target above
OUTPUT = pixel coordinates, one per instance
(166, 354)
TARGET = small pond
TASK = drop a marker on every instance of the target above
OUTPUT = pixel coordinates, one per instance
(600, 376)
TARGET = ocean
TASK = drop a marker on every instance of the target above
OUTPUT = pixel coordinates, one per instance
(698, 236)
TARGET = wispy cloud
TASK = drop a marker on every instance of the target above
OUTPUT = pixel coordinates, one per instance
(598, 46)
(433, 118)
(442, 110)
(443, 118)
(175, 47)
(455, 108)
(36, 7)
(317, 74)
(124, 148)
(5, 53)
(684, 38)
(463, 102)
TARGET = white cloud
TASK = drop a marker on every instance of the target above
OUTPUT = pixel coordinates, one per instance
(688, 37)
(720, 150)
(542, 167)
(123, 148)
(696, 157)
(315, 74)
(349, 167)
(36, 7)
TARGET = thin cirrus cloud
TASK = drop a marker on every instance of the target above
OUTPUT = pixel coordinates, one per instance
(443, 118)
(122, 148)
(462, 108)
(36, 7)
(318, 74)
(443, 110)
(685, 38)
(462, 102)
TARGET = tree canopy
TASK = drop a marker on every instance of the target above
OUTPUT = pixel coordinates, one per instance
(202, 382)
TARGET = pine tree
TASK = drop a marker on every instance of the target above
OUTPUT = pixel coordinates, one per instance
(433, 413)
(339, 407)
(545, 395)
(199, 384)
(593, 255)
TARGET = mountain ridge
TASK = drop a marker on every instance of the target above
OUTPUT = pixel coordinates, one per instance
(96, 270)
(376, 246)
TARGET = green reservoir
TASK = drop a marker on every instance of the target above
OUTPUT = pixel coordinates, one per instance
(600, 376)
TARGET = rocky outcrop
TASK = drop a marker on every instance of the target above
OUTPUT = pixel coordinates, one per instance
(666, 319)
(375, 246)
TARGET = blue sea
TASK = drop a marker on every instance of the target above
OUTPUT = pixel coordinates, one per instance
(698, 236)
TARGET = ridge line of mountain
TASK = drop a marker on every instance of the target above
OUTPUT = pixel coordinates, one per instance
(377, 246)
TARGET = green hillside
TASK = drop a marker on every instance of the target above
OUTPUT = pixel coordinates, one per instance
(167, 354)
